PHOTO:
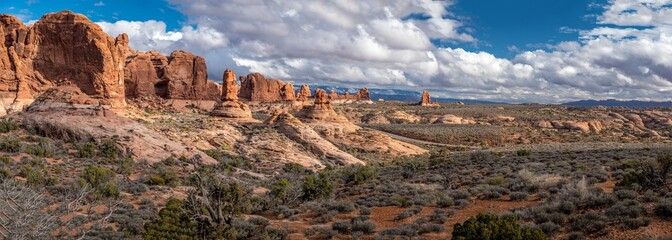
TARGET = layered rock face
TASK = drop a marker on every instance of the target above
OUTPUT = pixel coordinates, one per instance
(60, 49)
(255, 87)
(229, 106)
(304, 93)
(186, 77)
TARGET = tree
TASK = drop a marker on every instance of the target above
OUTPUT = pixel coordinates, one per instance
(215, 201)
(173, 223)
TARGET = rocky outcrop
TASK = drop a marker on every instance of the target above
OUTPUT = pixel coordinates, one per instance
(295, 130)
(229, 106)
(361, 95)
(427, 101)
(452, 119)
(60, 49)
(287, 92)
(304, 94)
(140, 75)
(321, 110)
(255, 87)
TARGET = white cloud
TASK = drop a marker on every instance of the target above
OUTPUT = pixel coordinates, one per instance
(99, 4)
(369, 43)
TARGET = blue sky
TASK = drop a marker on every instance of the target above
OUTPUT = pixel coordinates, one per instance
(515, 51)
(502, 28)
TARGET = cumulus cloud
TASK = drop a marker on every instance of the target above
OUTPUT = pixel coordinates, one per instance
(380, 43)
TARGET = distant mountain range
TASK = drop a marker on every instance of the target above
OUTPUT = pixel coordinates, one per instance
(400, 95)
(618, 103)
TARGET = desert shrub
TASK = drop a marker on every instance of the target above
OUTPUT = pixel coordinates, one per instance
(549, 228)
(8, 125)
(496, 181)
(358, 174)
(125, 166)
(109, 149)
(518, 196)
(101, 179)
(317, 187)
(431, 228)
(462, 203)
(44, 148)
(172, 223)
(34, 177)
(404, 215)
(366, 226)
(523, 152)
(341, 206)
(342, 227)
(649, 196)
(86, 150)
(663, 208)
(490, 226)
(460, 194)
(591, 222)
(163, 175)
(293, 168)
(481, 156)
(402, 230)
(651, 175)
(11, 145)
(626, 194)
(365, 211)
(283, 211)
(625, 209)
(600, 200)
(321, 231)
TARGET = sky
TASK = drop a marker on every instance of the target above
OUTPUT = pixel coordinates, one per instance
(545, 51)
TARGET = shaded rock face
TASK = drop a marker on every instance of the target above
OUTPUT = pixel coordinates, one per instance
(255, 87)
(61, 48)
(304, 93)
(287, 92)
(140, 76)
(186, 77)
(427, 101)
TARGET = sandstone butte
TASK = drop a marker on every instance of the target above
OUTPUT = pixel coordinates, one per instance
(66, 49)
(426, 100)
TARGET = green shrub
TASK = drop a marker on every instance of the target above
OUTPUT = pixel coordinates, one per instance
(317, 187)
(8, 125)
(163, 175)
(86, 150)
(523, 152)
(43, 149)
(173, 223)
(496, 181)
(11, 145)
(490, 226)
(293, 168)
(34, 177)
(108, 149)
(631, 178)
(358, 174)
(100, 179)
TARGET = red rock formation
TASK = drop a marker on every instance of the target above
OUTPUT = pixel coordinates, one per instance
(287, 92)
(186, 77)
(61, 48)
(321, 111)
(363, 95)
(426, 100)
(255, 87)
(229, 86)
(140, 76)
(229, 106)
(304, 93)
